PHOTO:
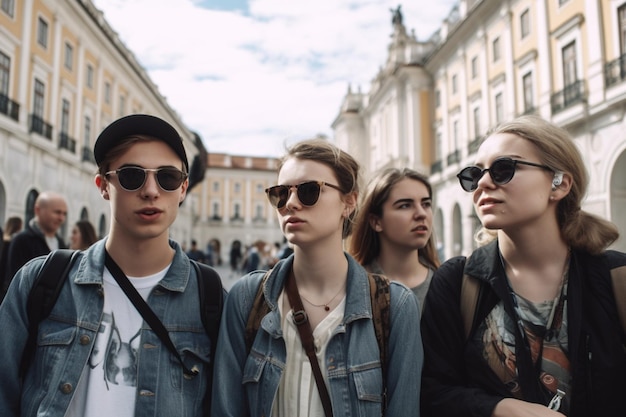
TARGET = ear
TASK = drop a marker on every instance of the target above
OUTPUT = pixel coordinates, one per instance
(103, 185)
(374, 222)
(350, 200)
(183, 191)
(561, 185)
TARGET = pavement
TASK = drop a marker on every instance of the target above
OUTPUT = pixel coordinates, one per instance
(228, 277)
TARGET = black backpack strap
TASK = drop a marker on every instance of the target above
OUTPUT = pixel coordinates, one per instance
(211, 295)
(43, 296)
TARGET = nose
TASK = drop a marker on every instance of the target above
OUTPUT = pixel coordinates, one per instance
(150, 187)
(292, 199)
(485, 175)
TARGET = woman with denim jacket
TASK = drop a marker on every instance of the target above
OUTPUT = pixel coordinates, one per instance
(543, 336)
(315, 204)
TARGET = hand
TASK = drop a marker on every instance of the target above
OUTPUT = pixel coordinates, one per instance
(510, 407)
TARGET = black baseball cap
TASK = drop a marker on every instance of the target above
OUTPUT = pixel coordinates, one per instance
(138, 124)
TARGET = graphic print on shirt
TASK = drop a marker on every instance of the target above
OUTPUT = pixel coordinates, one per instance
(117, 357)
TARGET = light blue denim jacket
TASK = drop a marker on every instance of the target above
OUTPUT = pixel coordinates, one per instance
(67, 336)
(246, 385)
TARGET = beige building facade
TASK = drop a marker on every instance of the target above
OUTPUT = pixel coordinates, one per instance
(491, 61)
(64, 76)
(231, 205)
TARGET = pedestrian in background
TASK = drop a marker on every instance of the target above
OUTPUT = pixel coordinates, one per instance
(40, 236)
(393, 233)
(83, 235)
(542, 335)
(11, 227)
(315, 203)
(195, 253)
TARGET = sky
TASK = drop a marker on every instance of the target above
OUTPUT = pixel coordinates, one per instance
(253, 76)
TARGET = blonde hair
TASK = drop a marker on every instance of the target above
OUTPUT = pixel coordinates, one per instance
(556, 149)
(365, 242)
(344, 166)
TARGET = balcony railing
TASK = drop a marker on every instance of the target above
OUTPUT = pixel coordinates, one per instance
(9, 107)
(454, 157)
(570, 95)
(436, 167)
(66, 142)
(39, 125)
(88, 154)
(615, 71)
(474, 144)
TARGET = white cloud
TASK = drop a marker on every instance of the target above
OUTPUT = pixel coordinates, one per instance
(247, 81)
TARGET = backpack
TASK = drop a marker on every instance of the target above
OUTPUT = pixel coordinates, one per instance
(380, 297)
(52, 275)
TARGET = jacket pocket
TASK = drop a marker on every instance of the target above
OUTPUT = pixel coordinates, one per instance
(369, 385)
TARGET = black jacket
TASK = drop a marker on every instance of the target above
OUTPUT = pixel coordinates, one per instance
(26, 245)
(457, 381)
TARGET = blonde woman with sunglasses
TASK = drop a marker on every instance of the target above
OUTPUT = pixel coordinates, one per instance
(315, 202)
(542, 336)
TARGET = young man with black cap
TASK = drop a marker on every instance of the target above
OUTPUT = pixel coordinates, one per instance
(96, 355)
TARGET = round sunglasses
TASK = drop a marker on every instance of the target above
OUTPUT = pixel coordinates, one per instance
(308, 193)
(133, 178)
(501, 171)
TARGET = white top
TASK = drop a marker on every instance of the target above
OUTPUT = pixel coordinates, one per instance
(108, 384)
(297, 392)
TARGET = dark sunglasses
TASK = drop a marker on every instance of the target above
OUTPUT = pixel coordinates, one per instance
(133, 178)
(308, 193)
(501, 171)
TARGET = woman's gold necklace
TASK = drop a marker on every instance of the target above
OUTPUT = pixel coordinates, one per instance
(325, 305)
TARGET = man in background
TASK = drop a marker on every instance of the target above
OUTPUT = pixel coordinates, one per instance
(39, 237)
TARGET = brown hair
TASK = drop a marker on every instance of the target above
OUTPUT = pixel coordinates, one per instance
(344, 166)
(88, 234)
(580, 229)
(365, 242)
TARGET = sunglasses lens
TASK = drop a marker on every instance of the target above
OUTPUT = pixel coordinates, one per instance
(502, 171)
(309, 193)
(469, 177)
(169, 178)
(131, 178)
(278, 195)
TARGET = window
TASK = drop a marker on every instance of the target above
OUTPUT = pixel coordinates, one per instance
(499, 105)
(65, 116)
(455, 133)
(122, 109)
(260, 189)
(42, 32)
(237, 211)
(5, 73)
(562, 2)
(496, 49)
(477, 122)
(569, 64)
(259, 212)
(8, 6)
(216, 186)
(237, 188)
(454, 84)
(529, 101)
(474, 67)
(216, 209)
(621, 13)
(89, 76)
(69, 56)
(87, 130)
(107, 92)
(38, 100)
(437, 98)
(524, 23)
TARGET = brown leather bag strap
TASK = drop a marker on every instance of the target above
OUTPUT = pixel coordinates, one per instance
(301, 320)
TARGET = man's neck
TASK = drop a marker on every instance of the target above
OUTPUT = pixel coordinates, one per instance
(140, 259)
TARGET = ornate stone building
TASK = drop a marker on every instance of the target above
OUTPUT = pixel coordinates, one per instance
(492, 60)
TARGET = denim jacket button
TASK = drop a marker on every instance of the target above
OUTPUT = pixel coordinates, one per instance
(84, 339)
(66, 388)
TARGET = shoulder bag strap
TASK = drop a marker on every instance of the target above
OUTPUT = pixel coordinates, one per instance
(144, 309)
(301, 320)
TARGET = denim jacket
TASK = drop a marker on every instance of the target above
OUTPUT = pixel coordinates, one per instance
(248, 383)
(66, 339)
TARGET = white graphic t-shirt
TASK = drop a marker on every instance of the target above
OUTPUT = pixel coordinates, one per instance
(108, 384)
